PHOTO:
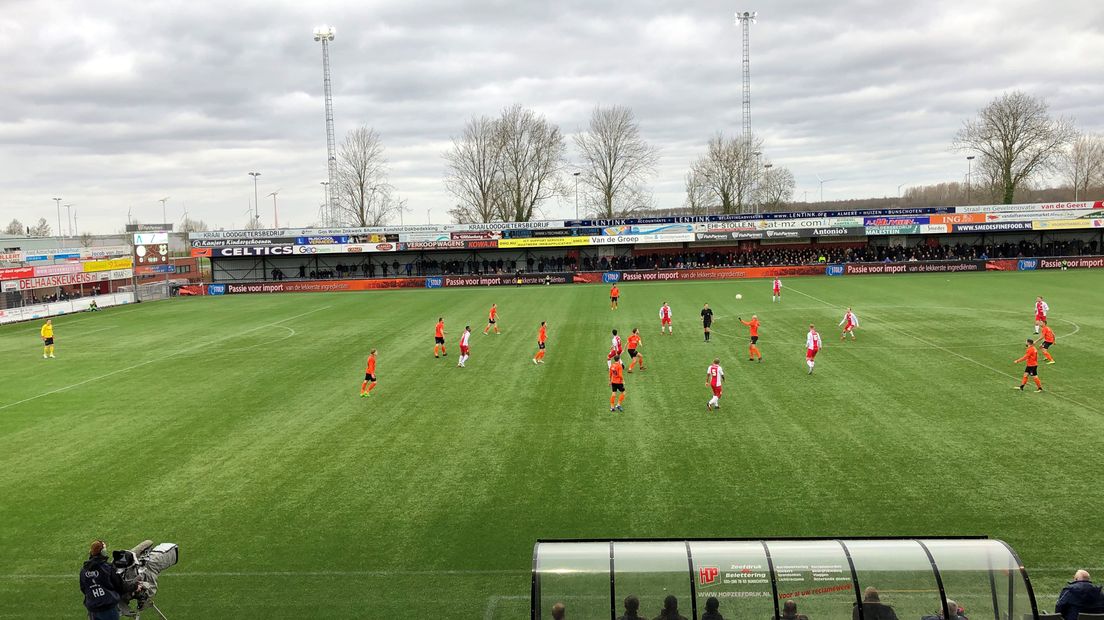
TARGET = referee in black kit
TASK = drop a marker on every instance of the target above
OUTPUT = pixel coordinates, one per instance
(707, 320)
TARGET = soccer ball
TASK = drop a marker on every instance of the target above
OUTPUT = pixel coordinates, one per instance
(739, 296)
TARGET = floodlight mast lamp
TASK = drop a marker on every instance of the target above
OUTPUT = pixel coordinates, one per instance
(325, 34)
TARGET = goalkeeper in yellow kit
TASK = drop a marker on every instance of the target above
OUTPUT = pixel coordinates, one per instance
(47, 333)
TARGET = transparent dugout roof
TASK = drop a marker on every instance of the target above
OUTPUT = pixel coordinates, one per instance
(820, 579)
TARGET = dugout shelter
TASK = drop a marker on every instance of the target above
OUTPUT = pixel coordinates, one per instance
(828, 579)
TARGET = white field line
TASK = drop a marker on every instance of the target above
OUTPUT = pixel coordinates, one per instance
(956, 354)
(158, 359)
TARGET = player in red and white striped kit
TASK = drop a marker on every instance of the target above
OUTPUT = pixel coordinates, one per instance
(849, 323)
(665, 319)
(776, 291)
(465, 349)
(1041, 309)
(716, 383)
(813, 345)
(615, 349)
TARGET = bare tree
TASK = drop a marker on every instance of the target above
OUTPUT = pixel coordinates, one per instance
(616, 162)
(16, 228)
(1014, 139)
(776, 188)
(698, 196)
(86, 239)
(728, 170)
(1082, 164)
(532, 158)
(474, 171)
(41, 229)
(193, 225)
(364, 197)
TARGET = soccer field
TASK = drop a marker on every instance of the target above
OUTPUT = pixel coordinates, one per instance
(231, 426)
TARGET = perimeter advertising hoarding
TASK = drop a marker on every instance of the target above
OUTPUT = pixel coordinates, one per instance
(59, 269)
(1087, 205)
(485, 244)
(244, 241)
(913, 229)
(1064, 224)
(252, 251)
(70, 279)
(681, 237)
(915, 267)
(709, 274)
(544, 242)
(1076, 262)
(107, 265)
(508, 280)
(991, 227)
(729, 236)
(11, 257)
(316, 286)
(16, 273)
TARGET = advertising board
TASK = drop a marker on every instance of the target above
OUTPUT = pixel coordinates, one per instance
(914, 267)
(544, 242)
(991, 227)
(1061, 224)
(318, 286)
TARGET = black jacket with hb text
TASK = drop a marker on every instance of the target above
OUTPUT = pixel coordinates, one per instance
(1079, 597)
(101, 585)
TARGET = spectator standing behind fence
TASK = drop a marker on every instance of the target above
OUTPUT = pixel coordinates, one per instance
(789, 611)
(1079, 596)
(670, 609)
(873, 608)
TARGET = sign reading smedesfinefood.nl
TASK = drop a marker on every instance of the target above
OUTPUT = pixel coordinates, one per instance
(992, 227)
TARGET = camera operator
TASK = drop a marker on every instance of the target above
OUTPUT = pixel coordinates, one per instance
(101, 585)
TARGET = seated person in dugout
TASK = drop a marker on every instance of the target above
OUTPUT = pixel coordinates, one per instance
(1079, 596)
(789, 611)
(670, 609)
(712, 607)
(953, 608)
(873, 608)
(632, 609)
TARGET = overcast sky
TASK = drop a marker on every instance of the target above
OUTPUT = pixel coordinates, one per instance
(114, 105)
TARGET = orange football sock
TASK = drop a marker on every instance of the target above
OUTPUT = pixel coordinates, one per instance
(1038, 384)
(621, 399)
(436, 349)
(1046, 354)
(1024, 382)
(363, 384)
(613, 399)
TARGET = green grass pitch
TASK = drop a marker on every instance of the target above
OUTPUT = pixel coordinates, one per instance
(232, 426)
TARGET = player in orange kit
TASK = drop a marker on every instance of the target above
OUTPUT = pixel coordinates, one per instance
(617, 384)
(439, 338)
(1048, 341)
(369, 375)
(615, 295)
(492, 320)
(635, 356)
(753, 327)
(1031, 358)
(542, 337)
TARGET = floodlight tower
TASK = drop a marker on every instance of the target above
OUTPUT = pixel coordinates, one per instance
(746, 19)
(325, 34)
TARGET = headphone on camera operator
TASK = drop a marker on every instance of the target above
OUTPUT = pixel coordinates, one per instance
(101, 584)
